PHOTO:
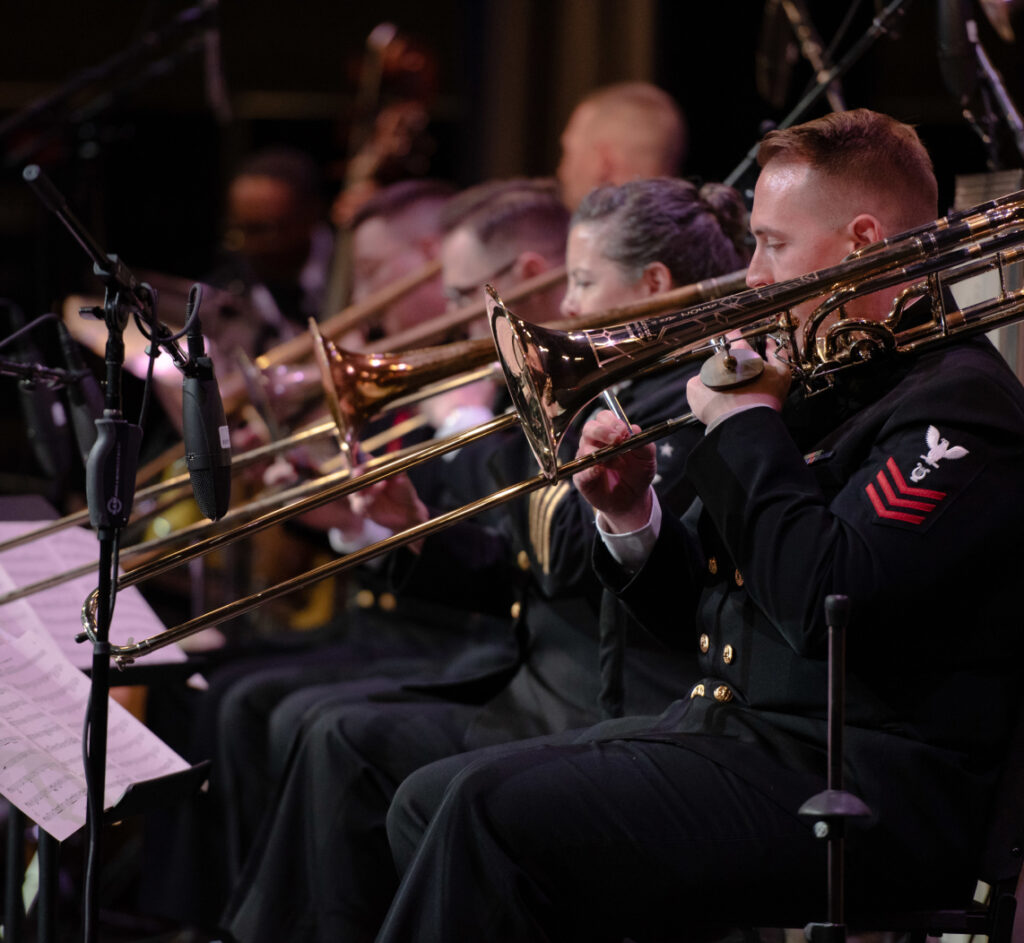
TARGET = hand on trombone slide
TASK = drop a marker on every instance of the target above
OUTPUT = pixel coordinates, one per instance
(619, 488)
(392, 505)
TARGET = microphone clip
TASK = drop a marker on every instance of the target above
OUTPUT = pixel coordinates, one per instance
(110, 472)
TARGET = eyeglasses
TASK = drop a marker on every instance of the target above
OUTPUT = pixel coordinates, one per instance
(460, 297)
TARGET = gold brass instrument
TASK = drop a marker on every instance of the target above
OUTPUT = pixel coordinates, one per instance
(158, 547)
(276, 368)
(553, 374)
(177, 487)
(269, 370)
(357, 387)
(362, 385)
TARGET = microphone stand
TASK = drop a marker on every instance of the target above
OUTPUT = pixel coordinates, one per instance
(830, 809)
(200, 17)
(110, 481)
(993, 85)
(880, 25)
(54, 377)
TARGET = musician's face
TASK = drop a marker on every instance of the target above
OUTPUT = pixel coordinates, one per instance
(595, 282)
(382, 254)
(268, 224)
(467, 265)
(800, 224)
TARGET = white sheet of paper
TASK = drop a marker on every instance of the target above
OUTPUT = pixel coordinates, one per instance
(43, 704)
(58, 610)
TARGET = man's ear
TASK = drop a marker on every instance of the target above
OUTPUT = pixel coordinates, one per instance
(529, 264)
(656, 278)
(606, 163)
(864, 230)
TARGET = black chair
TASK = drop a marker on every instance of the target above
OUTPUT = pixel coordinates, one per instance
(999, 873)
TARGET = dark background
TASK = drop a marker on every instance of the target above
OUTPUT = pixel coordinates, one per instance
(143, 161)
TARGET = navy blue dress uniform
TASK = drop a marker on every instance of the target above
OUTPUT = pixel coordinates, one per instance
(321, 868)
(899, 488)
(385, 633)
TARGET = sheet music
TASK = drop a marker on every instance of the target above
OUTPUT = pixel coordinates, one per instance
(57, 611)
(43, 705)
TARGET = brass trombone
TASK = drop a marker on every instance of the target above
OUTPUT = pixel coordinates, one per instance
(275, 369)
(553, 374)
(357, 387)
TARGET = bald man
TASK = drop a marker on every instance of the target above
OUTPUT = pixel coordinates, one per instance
(619, 133)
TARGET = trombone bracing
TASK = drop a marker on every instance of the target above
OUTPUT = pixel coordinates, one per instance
(552, 374)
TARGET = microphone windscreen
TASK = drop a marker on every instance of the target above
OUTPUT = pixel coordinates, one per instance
(84, 395)
(207, 445)
(46, 428)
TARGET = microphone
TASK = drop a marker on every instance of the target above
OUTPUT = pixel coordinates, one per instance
(46, 427)
(207, 440)
(957, 34)
(84, 395)
(46, 422)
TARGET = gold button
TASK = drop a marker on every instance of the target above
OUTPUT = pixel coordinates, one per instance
(698, 691)
(705, 642)
(728, 653)
(387, 601)
(523, 559)
(712, 566)
(723, 694)
(365, 599)
(516, 609)
(739, 578)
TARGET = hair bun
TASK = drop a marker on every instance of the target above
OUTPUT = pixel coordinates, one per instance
(729, 209)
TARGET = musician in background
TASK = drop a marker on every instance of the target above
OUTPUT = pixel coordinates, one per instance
(617, 133)
(277, 249)
(531, 215)
(395, 233)
(891, 489)
(320, 869)
(369, 628)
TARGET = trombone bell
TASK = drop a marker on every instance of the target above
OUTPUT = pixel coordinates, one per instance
(543, 419)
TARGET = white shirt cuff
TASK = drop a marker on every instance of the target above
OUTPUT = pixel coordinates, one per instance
(370, 534)
(461, 418)
(632, 549)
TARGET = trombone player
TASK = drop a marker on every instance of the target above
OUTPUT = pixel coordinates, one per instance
(894, 488)
(320, 868)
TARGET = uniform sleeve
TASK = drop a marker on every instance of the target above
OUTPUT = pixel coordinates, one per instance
(896, 511)
(662, 595)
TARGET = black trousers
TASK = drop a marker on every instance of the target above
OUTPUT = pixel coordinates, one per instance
(585, 838)
(256, 733)
(320, 868)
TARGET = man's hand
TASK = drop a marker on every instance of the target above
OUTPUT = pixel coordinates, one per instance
(621, 487)
(338, 515)
(392, 503)
(769, 389)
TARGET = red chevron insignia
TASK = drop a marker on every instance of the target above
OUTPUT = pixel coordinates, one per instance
(900, 506)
